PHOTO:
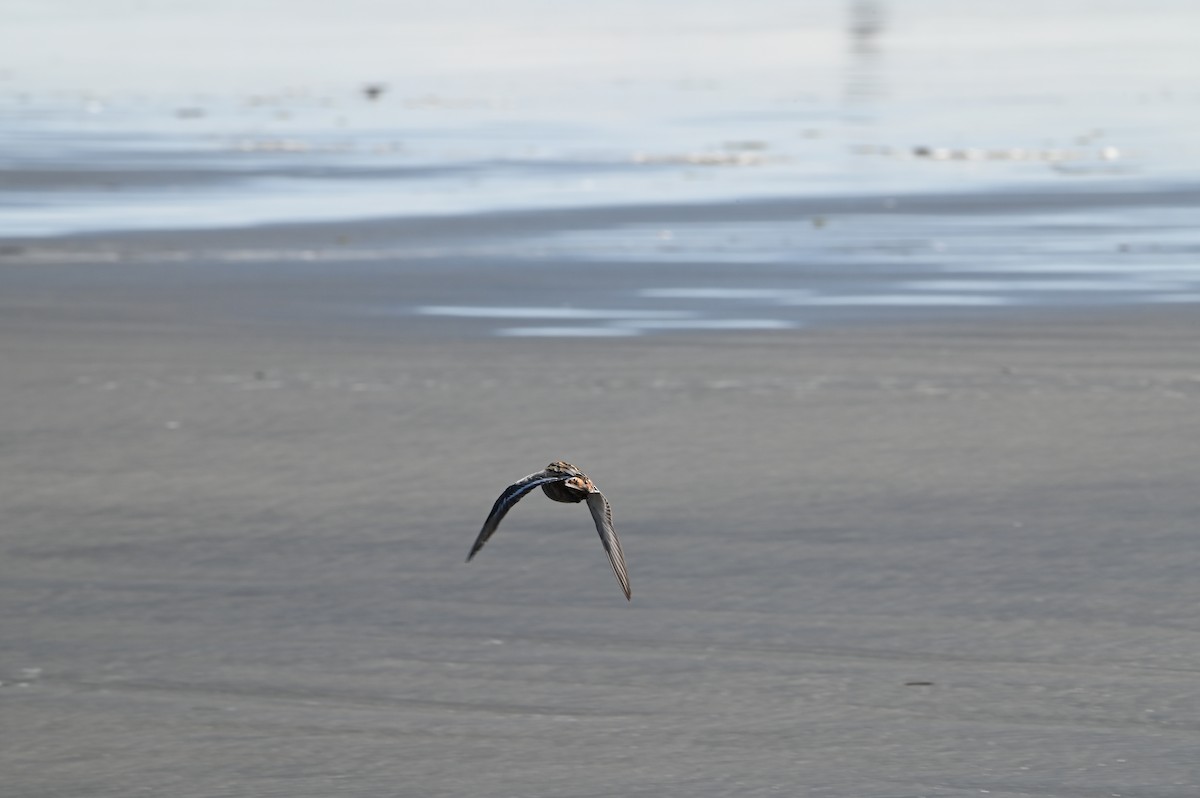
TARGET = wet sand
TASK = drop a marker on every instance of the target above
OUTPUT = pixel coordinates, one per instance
(945, 558)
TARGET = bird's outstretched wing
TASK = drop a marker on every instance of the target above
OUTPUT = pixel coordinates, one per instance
(602, 514)
(511, 495)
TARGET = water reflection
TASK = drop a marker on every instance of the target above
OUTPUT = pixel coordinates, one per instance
(865, 28)
(867, 25)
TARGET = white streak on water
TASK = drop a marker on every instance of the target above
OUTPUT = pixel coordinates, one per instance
(1100, 284)
(765, 294)
(565, 332)
(802, 297)
(496, 312)
(707, 324)
(903, 301)
(637, 327)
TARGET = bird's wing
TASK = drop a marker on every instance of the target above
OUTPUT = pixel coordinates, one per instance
(511, 495)
(602, 514)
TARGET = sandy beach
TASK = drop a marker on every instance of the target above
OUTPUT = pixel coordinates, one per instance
(877, 322)
(939, 558)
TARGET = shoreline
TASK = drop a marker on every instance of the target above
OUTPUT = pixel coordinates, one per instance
(981, 200)
(643, 270)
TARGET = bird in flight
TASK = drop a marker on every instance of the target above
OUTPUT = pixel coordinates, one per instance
(561, 482)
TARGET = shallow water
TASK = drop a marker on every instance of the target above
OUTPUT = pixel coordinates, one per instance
(542, 106)
(225, 117)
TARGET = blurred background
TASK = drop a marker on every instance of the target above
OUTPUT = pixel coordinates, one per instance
(127, 115)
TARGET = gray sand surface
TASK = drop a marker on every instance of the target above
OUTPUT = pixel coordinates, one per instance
(947, 559)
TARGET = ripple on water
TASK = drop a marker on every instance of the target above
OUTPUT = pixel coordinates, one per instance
(629, 327)
(805, 298)
(566, 332)
(549, 313)
(648, 325)
(750, 294)
(899, 300)
(1098, 284)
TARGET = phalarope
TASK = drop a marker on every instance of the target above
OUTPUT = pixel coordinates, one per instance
(561, 482)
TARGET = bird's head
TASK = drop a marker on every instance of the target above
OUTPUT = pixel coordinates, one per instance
(582, 484)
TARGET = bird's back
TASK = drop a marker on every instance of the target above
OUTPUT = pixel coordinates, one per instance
(560, 492)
